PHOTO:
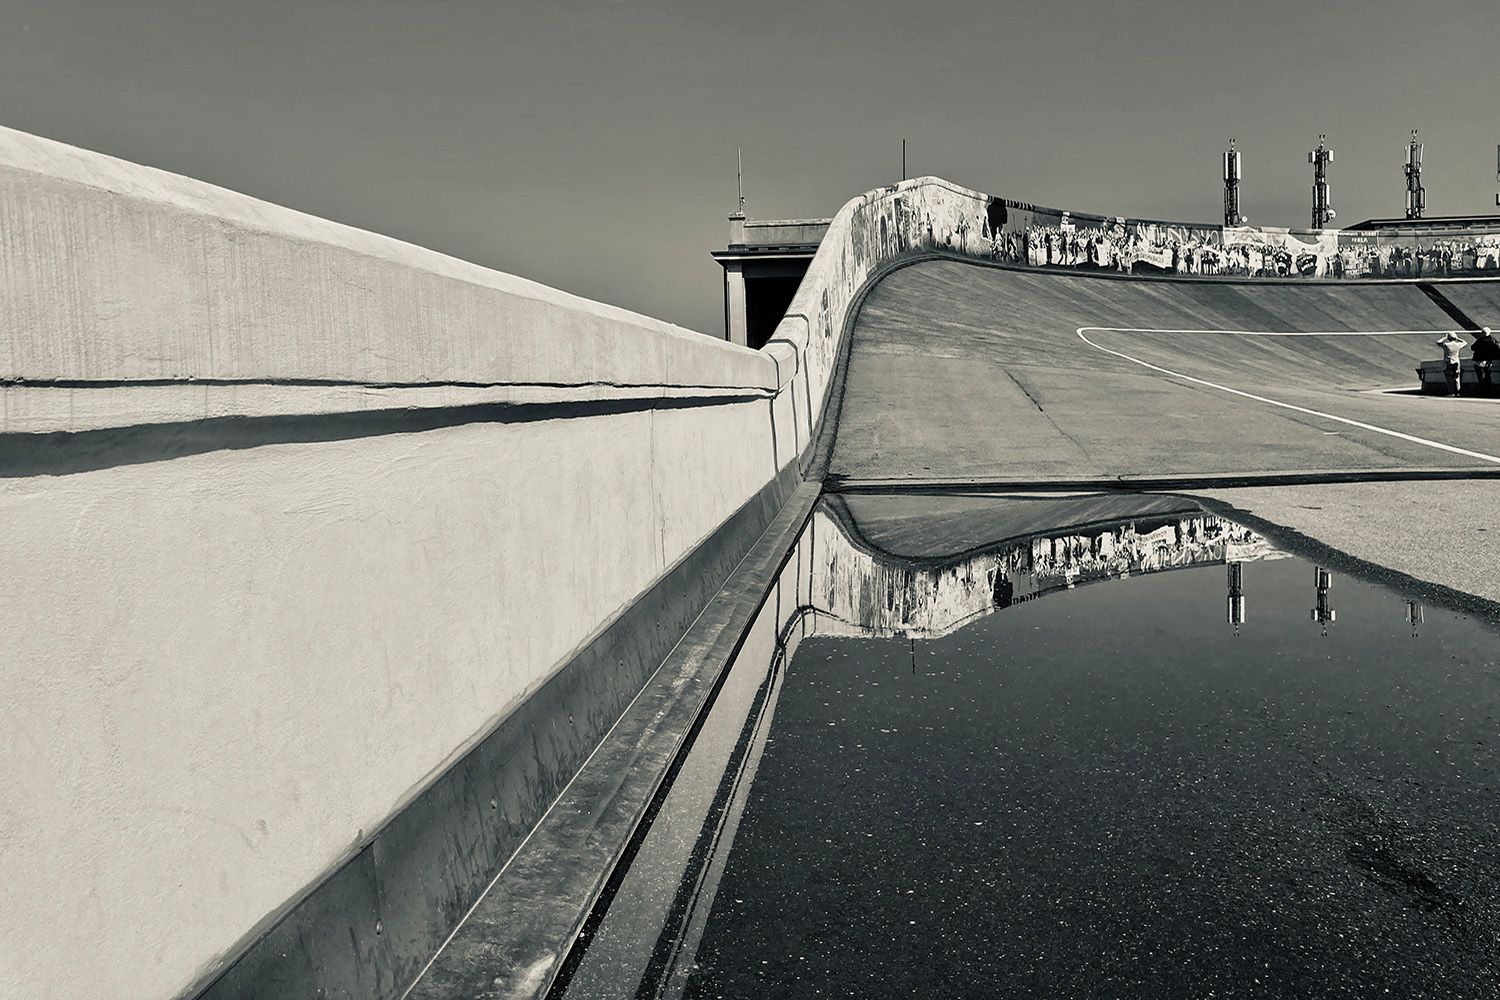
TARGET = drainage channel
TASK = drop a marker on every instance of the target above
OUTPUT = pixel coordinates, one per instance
(1132, 754)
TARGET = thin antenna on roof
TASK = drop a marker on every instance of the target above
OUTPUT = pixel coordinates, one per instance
(739, 177)
(903, 159)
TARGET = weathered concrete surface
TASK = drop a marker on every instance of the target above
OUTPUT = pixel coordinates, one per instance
(1480, 301)
(236, 649)
(234, 666)
(961, 373)
(961, 370)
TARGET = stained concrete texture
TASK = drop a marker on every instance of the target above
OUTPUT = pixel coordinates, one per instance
(962, 370)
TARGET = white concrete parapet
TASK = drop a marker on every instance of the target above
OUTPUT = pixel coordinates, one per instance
(233, 648)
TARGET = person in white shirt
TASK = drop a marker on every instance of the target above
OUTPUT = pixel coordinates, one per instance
(1451, 344)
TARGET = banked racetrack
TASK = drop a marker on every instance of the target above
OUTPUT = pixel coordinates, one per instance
(964, 374)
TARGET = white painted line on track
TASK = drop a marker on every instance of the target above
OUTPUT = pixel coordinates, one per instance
(1277, 333)
(1276, 402)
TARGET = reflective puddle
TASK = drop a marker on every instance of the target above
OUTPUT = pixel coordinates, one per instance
(1087, 746)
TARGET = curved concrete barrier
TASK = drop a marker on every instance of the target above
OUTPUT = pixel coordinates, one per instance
(304, 523)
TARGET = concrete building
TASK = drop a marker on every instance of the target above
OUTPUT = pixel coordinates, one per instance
(1432, 225)
(763, 266)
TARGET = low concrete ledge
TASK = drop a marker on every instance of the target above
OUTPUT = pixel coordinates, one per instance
(910, 485)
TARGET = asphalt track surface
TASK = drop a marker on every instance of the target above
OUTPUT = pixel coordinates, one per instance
(961, 372)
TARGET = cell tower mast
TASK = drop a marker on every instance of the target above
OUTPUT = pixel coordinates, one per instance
(1416, 194)
(1232, 216)
(1322, 212)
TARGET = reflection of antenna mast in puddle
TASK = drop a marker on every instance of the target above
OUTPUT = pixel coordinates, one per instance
(1323, 614)
(1236, 595)
(1414, 615)
(913, 654)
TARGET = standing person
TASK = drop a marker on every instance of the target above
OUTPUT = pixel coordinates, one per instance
(1451, 344)
(1486, 351)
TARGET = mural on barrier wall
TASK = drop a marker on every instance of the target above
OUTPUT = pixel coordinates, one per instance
(1017, 233)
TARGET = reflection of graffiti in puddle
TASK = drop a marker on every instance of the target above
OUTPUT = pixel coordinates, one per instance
(860, 593)
(1047, 564)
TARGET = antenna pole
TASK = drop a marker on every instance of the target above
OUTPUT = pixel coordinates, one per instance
(1416, 195)
(903, 159)
(1322, 212)
(739, 177)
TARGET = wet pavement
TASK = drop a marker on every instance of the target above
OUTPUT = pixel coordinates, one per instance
(1103, 791)
(1106, 793)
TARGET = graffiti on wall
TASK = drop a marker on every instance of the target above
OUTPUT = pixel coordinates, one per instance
(934, 215)
(1024, 235)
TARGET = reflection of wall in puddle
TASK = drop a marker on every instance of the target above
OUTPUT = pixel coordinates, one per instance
(831, 585)
(857, 593)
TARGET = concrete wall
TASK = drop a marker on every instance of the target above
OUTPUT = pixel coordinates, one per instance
(866, 233)
(1023, 235)
(296, 514)
(777, 232)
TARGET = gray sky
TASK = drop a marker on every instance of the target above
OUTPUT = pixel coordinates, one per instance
(589, 144)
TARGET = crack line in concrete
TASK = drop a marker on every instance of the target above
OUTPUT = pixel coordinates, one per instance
(1023, 389)
(1055, 426)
